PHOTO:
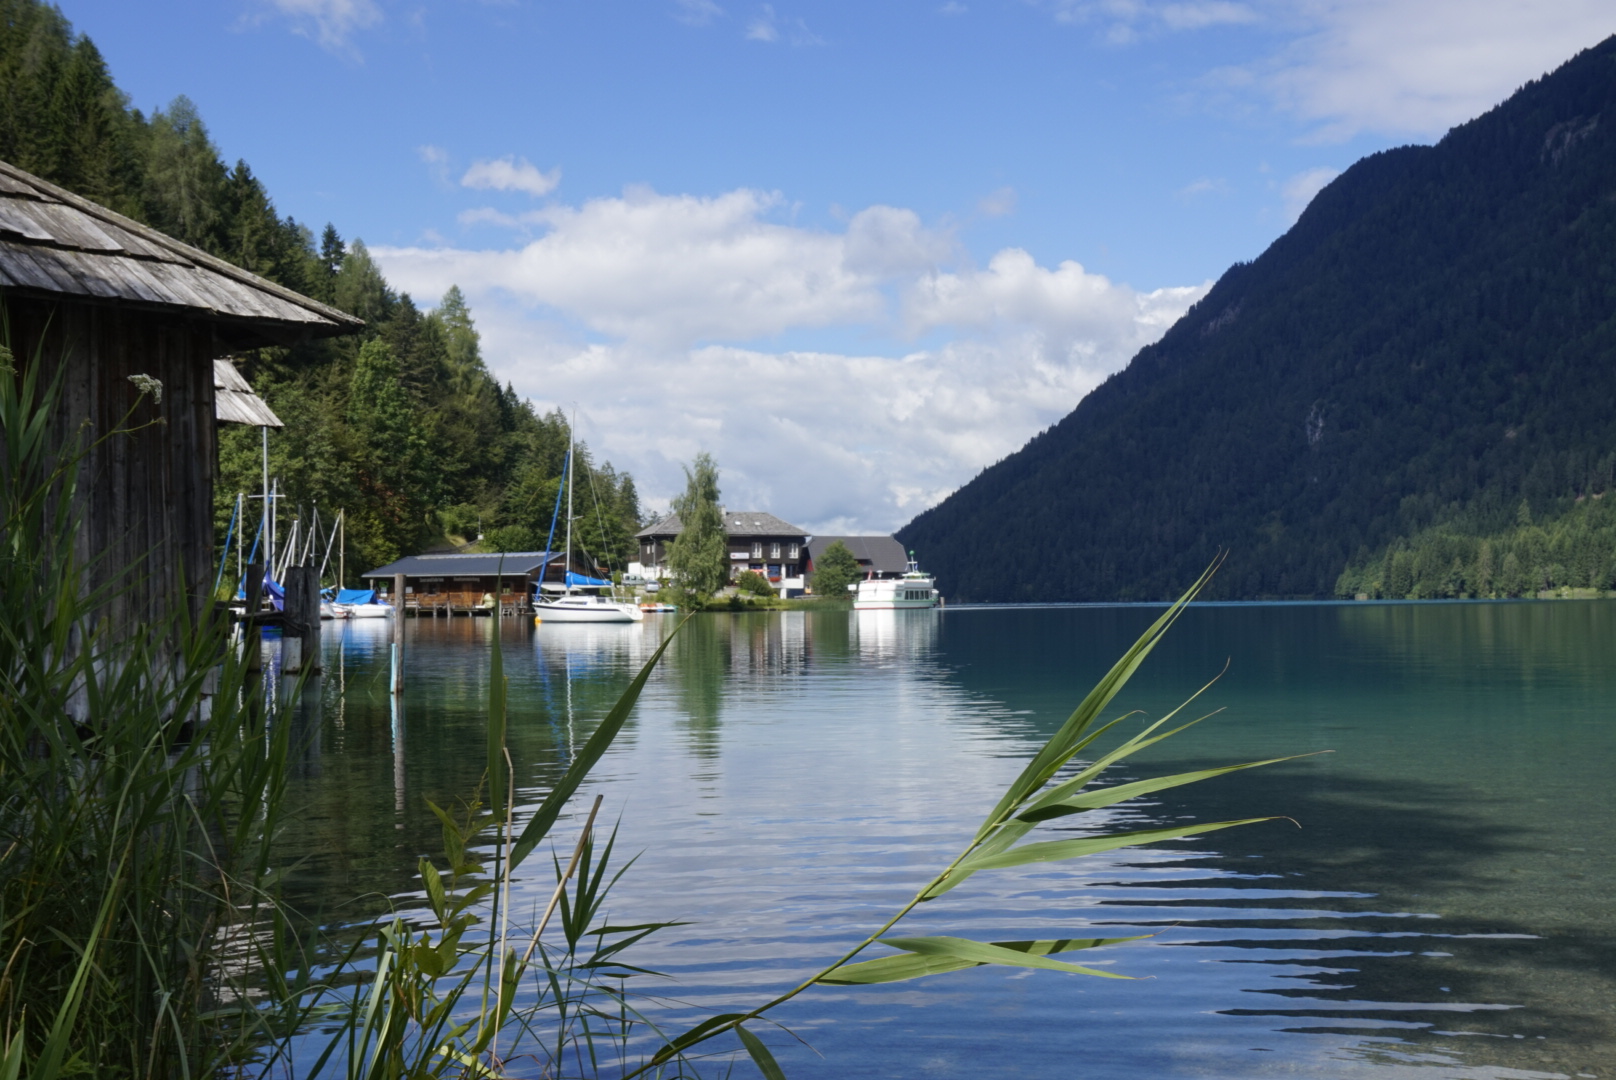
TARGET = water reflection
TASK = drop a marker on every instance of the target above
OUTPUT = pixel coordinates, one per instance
(1443, 912)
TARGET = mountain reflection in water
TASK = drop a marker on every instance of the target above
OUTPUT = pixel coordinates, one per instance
(792, 777)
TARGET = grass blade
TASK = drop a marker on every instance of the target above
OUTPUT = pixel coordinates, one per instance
(760, 1055)
(980, 952)
(1057, 850)
(1108, 796)
(911, 965)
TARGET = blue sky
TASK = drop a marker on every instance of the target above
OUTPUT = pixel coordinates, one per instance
(855, 250)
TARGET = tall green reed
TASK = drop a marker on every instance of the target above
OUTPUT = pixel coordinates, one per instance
(133, 837)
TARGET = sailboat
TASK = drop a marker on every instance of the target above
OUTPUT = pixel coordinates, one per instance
(573, 605)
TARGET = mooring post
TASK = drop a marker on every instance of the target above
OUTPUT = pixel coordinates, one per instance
(293, 616)
(253, 591)
(311, 628)
(398, 633)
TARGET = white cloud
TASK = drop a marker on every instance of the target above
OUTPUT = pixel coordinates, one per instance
(770, 27)
(330, 22)
(1419, 68)
(647, 308)
(998, 203)
(953, 7)
(1127, 20)
(1206, 185)
(1299, 190)
(510, 174)
(697, 12)
(762, 28)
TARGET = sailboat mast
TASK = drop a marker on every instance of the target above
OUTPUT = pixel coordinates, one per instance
(567, 568)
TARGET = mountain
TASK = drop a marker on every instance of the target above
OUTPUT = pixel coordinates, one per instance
(1433, 344)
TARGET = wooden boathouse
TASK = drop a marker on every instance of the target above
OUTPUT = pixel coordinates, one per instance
(456, 583)
(133, 320)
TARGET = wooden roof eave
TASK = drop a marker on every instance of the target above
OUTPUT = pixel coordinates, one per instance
(233, 330)
(18, 183)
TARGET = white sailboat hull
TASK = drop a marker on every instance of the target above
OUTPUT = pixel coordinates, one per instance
(586, 609)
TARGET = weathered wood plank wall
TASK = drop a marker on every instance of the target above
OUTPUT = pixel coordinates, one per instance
(145, 488)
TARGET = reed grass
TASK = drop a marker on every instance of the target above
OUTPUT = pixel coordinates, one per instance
(130, 847)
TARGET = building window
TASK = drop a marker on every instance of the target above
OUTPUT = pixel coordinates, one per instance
(757, 549)
(774, 551)
(794, 552)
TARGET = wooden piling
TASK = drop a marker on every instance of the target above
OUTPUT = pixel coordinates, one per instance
(398, 634)
(253, 590)
(300, 634)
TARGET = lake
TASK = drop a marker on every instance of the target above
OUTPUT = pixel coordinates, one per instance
(789, 779)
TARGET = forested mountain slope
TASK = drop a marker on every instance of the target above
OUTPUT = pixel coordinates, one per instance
(402, 426)
(1433, 341)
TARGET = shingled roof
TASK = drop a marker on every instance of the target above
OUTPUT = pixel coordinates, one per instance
(56, 244)
(234, 401)
(736, 523)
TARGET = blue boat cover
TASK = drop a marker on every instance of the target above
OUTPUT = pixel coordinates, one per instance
(574, 580)
(356, 596)
(277, 595)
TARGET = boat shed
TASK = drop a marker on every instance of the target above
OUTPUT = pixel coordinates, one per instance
(878, 556)
(133, 320)
(455, 583)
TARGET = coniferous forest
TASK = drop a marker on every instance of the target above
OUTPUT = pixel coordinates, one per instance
(1410, 393)
(403, 427)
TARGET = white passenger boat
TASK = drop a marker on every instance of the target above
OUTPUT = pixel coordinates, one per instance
(915, 589)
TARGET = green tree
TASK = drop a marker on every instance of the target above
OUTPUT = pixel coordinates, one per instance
(185, 180)
(754, 583)
(698, 556)
(394, 461)
(835, 569)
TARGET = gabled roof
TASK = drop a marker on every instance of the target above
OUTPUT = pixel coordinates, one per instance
(234, 401)
(482, 564)
(883, 554)
(736, 523)
(54, 243)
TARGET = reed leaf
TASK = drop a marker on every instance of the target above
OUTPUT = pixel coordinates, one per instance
(981, 952)
(761, 1057)
(915, 965)
(1061, 850)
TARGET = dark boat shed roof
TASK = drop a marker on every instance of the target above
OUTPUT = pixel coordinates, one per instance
(54, 244)
(516, 564)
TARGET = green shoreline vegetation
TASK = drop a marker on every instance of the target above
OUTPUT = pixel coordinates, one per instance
(1570, 555)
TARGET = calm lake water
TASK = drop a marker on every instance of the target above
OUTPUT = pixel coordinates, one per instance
(1444, 910)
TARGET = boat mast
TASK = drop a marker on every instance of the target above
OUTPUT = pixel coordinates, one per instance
(567, 567)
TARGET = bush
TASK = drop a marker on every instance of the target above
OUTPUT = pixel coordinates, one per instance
(755, 584)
